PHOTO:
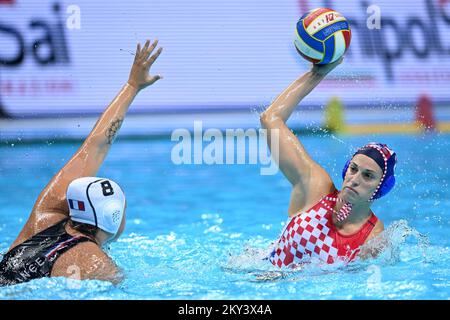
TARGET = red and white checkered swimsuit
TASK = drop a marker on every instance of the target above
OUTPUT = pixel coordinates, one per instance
(313, 233)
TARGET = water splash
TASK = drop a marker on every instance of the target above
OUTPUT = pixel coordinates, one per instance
(390, 244)
(59, 288)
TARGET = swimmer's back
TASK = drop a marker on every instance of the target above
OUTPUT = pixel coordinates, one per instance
(35, 257)
(53, 252)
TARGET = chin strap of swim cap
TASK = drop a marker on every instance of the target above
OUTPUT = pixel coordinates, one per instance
(387, 163)
(344, 212)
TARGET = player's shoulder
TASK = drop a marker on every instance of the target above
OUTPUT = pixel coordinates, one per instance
(377, 229)
(379, 226)
(87, 260)
(37, 223)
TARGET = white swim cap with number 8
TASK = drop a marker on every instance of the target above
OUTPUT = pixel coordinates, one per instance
(96, 201)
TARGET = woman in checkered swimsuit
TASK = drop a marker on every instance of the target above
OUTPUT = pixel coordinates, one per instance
(325, 223)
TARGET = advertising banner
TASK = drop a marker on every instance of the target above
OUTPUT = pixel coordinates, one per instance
(61, 57)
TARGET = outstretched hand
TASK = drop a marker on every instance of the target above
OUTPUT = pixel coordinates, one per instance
(324, 69)
(139, 74)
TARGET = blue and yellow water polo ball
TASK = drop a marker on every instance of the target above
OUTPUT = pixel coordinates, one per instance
(322, 36)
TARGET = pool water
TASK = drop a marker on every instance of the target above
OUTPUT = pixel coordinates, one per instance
(201, 231)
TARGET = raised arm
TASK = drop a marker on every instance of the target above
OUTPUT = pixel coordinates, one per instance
(309, 179)
(90, 156)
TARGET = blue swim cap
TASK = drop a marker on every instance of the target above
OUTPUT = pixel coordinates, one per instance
(386, 159)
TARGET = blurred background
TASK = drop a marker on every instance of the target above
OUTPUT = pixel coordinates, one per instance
(62, 62)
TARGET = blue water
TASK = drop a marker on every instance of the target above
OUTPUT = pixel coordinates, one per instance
(199, 231)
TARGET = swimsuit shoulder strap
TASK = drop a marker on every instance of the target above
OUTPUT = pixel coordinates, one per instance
(63, 246)
(368, 227)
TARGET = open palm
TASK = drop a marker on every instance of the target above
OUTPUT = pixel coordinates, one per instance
(143, 60)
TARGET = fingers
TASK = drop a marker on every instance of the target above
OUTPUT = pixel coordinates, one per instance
(153, 58)
(147, 43)
(150, 50)
(138, 51)
(153, 79)
(145, 52)
(141, 52)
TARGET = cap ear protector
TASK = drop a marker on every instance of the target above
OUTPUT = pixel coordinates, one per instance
(111, 213)
(386, 186)
(389, 182)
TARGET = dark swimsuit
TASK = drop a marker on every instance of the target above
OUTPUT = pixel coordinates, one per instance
(35, 257)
